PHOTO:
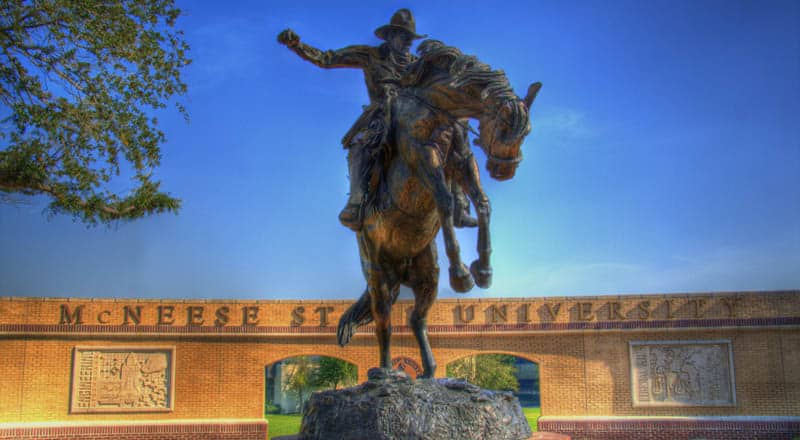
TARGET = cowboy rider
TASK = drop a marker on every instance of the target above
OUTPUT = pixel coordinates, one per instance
(383, 68)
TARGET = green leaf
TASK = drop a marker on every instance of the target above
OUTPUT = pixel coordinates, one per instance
(81, 80)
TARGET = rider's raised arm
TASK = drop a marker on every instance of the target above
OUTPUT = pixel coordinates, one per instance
(350, 56)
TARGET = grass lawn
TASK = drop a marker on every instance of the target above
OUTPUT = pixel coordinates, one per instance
(290, 424)
(532, 414)
(283, 424)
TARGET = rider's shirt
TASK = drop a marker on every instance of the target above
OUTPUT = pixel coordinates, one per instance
(382, 69)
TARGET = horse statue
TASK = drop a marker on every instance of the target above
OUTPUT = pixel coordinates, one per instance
(430, 152)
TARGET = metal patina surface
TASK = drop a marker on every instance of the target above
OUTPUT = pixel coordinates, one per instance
(411, 164)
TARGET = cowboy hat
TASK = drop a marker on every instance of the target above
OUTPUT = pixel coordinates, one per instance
(401, 20)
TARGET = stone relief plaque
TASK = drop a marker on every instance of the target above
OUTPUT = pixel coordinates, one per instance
(682, 373)
(122, 379)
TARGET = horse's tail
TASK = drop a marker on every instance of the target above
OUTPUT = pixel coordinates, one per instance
(360, 313)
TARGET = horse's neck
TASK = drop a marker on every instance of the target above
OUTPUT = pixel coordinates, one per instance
(453, 104)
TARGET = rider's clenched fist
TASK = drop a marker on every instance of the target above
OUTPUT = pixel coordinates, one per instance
(288, 38)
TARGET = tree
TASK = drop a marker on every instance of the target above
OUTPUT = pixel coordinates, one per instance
(300, 378)
(79, 81)
(489, 371)
(333, 373)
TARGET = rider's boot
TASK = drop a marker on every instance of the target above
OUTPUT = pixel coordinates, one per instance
(351, 215)
(461, 217)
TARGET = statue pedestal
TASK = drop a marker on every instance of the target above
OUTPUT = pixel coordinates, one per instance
(392, 406)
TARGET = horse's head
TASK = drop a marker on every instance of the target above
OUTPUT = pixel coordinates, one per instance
(465, 87)
(503, 127)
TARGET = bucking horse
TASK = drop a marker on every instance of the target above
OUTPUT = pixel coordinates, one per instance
(430, 151)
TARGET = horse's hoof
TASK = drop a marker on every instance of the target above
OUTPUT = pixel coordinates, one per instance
(483, 277)
(460, 279)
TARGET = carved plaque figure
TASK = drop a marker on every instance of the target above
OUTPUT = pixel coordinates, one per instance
(682, 373)
(122, 379)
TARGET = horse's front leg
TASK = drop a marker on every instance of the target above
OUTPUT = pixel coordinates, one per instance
(424, 280)
(428, 166)
(380, 298)
(481, 268)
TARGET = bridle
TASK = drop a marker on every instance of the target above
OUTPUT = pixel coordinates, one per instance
(493, 112)
(490, 157)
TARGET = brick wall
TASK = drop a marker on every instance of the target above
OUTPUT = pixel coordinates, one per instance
(178, 430)
(582, 350)
(671, 429)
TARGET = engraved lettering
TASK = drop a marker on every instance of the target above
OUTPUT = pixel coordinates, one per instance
(100, 316)
(644, 310)
(670, 309)
(222, 317)
(74, 318)
(194, 315)
(323, 315)
(699, 305)
(731, 304)
(585, 312)
(643, 392)
(461, 318)
(522, 313)
(165, 315)
(250, 315)
(613, 311)
(553, 310)
(132, 315)
(497, 313)
(297, 316)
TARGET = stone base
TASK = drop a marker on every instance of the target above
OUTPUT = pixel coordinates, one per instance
(392, 406)
(536, 436)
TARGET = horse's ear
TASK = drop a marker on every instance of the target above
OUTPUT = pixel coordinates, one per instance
(532, 91)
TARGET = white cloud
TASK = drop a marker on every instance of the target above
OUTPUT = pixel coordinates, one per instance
(721, 269)
(562, 122)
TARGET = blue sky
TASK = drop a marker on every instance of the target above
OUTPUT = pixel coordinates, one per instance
(664, 156)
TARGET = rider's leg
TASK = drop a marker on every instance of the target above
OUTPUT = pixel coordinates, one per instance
(362, 158)
(357, 165)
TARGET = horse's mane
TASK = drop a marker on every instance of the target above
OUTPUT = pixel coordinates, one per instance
(439, 63)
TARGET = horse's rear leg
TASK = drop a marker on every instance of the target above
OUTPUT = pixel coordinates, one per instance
(381, 307)
(424, 280)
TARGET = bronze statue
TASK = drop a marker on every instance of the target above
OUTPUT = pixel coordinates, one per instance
(423, 155)
(383, 68)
